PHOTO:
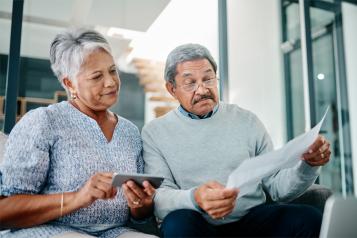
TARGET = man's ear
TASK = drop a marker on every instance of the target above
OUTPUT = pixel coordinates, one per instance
(171, 89)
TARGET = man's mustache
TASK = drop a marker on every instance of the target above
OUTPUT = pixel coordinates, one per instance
(203, 97)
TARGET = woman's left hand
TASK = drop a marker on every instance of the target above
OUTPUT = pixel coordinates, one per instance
(137, 196)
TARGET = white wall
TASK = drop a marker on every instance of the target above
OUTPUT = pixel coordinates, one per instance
(255, 62)
(35, 41)
(349, 14)
(182, 21)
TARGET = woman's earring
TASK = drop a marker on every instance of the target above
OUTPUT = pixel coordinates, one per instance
(73, 96)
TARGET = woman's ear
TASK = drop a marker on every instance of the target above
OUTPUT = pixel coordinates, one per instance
(68, 84)
(171, 89)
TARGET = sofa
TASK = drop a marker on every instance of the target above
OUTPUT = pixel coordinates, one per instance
(316, 196)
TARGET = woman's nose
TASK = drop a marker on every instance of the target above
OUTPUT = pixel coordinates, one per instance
(110, 81)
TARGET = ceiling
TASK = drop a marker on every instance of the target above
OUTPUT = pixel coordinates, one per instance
(159, 24)
(43, 19)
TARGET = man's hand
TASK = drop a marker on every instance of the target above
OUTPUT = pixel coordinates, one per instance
(318, 153)
(215, 199)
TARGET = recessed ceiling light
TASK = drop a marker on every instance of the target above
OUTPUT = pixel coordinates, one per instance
(320, 76)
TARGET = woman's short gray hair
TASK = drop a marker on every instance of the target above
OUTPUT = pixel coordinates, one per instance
(69, 49)
(182, 53)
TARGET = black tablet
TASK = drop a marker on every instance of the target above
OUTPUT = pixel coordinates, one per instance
(120, 178)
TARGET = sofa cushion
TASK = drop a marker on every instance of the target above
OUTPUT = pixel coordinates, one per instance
(3, 139)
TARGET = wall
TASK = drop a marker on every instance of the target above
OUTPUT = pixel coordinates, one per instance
(349, 14)
(255, 62)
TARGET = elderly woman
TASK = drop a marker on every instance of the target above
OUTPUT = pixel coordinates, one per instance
(56, 176)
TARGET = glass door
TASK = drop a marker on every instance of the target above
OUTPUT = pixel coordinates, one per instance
(325, 84)
(329, 91)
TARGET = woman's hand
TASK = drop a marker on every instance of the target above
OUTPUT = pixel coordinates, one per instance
(99, 186)
(140, 199)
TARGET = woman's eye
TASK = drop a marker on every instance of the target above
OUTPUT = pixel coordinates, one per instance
(97, 77)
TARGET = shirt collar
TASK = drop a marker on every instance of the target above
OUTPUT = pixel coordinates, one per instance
(196, 117)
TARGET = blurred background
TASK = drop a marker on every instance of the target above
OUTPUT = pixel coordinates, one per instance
(285, 60)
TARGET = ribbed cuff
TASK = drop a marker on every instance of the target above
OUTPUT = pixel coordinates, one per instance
(195, 204)
(308, 170)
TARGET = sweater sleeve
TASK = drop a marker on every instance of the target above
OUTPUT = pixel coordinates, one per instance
(26, 160)
(169, 196)
(289, 183)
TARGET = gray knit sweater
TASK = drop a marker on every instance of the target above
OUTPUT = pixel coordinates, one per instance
(190, 152)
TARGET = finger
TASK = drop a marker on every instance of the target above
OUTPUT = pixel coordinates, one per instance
(322, 161)
(136, 189)
(220, 194)
(104, 176)
(317, 144)
(105, 179)
(318, 163)
(129, 194)
(97, 193)
(214, 185)
(218, 204)
(318, 156)
(105, 188)
(148, 188)
(219, 213)
(114, 192)
(325, 147)
(230, 192)
(132, 199)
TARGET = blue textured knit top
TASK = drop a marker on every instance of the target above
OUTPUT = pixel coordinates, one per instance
(57, 149)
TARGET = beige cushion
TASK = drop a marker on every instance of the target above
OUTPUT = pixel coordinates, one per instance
(3, 139)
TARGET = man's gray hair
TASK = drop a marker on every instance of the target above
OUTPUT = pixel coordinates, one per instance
(182, 53)
(69, 49)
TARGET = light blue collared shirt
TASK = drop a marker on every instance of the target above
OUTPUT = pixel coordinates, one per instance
(196, 117)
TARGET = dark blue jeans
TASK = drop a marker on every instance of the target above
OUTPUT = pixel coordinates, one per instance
(267, 220)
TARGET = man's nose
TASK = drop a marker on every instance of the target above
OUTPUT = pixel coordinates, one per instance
(201, 89)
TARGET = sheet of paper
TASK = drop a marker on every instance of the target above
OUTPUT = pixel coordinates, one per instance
(255, 169)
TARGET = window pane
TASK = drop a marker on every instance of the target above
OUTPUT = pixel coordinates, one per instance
(297, 93)
(5, 31)
(292, 21)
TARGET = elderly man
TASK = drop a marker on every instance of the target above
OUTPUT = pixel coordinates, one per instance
(197, 146)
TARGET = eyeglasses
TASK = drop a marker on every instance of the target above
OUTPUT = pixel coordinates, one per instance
(191, 87)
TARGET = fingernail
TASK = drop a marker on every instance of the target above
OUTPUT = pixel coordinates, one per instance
(310, 151)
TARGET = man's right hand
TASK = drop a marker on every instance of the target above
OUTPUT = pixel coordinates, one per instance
(215, 199)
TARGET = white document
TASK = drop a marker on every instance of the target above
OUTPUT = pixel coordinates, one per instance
(255, 169)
